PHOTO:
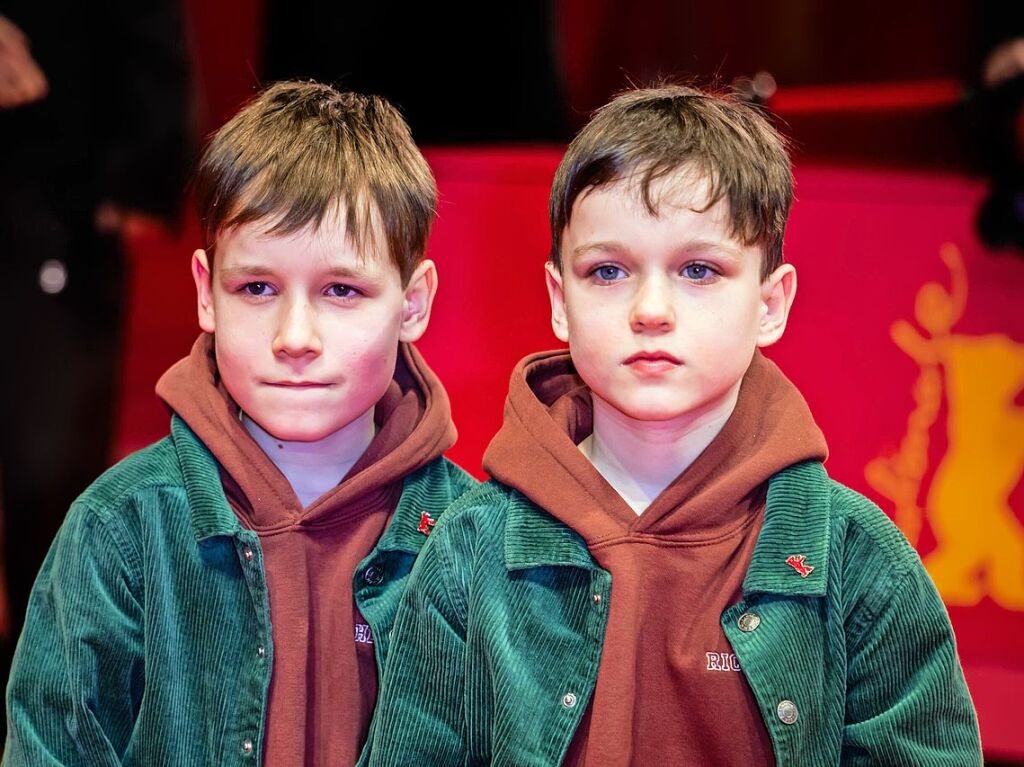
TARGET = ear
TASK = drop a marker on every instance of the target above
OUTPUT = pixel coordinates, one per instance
(419, 299)
(204, 289)
(559, 323)
(777, 294)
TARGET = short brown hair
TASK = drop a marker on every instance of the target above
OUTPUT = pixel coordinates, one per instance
(298, 149)
(648, 133)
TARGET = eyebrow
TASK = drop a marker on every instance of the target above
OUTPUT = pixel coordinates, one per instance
(693, 246)
(260, 270)
(597, 247)
(718, 248)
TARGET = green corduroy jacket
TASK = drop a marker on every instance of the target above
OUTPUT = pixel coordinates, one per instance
(148, 640)
(497, 643)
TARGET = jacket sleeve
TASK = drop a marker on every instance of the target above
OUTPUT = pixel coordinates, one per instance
(907, 701)
(420, 717)
(77, 673)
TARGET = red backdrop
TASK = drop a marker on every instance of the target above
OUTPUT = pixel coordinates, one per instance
(864, 244)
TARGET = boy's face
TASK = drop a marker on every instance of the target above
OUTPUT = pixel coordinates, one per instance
(662, 314)
(306, 328)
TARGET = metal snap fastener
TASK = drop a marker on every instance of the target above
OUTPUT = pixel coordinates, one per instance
(569, 700)
(373, 575)
(748, 621)
(260, 651)
(597, 598)
(246, 747)
(248, 554)
(787, 712)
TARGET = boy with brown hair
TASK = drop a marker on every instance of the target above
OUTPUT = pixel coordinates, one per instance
(661, 572)
(225, 595)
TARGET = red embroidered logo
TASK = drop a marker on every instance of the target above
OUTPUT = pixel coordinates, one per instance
(426, 522)
(796, 561)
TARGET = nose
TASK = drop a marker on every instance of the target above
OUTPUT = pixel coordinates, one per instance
(652, 306)
(297, 331)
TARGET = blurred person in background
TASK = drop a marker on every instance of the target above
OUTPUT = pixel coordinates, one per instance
(997, 114)
(94, 143)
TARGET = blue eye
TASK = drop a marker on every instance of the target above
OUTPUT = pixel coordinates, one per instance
(256, 288)
(339, 290)
(609, 273)
(698, 272)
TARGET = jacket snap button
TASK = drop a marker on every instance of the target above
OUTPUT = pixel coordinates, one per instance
(749, 621)
(247, 747)
(569, 700)
(787, 712)
(596, 598)
(373, 575)
(248, 554)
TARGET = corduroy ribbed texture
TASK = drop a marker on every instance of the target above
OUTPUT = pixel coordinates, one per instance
(498, 638)
(142, 643)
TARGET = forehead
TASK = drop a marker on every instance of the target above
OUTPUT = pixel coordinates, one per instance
(678, 205)
(324, 244)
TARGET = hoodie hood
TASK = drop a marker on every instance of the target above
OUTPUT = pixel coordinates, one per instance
(413, 421)
(548, 412)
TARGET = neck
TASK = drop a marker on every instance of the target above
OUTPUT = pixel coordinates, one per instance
(313, 468)
(641, 458)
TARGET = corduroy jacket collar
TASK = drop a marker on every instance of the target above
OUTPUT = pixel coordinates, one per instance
(427, 487)
(796, 522)
(211, 515)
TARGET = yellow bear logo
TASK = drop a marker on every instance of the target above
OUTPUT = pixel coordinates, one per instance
(979, 541)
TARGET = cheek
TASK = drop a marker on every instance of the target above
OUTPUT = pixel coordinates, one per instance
(737, 317)
(599, 336)
(241, 327)
(236, 369)
(371, 351)
(590, 319)
(234, 354)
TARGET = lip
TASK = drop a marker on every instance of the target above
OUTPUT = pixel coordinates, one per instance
(655, 356)
(652, 363)
(297, 384)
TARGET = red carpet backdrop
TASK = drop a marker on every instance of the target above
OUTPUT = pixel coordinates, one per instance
(907, 339)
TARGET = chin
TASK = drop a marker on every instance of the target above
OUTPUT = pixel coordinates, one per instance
(297, 436)
(295, 432)
(657, 416)
(650, 411)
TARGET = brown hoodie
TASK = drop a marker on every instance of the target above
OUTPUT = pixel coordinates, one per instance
(323, 684)
(669, 690)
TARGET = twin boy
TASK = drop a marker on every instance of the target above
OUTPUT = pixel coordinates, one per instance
(659, 571)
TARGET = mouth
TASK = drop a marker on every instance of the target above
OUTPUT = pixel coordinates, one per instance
(657, 356)
(297, 385)
(652, 363)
